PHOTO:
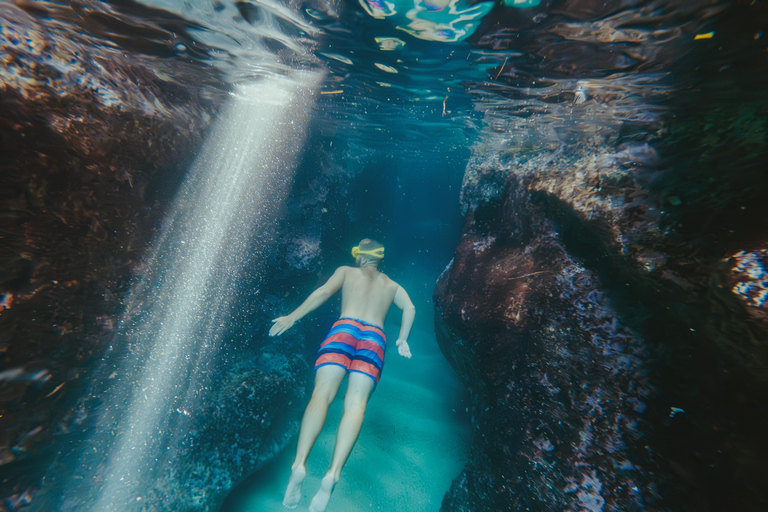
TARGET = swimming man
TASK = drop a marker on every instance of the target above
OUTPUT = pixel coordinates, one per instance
(354, 345)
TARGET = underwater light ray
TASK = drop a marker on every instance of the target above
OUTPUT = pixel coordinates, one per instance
(177, 311)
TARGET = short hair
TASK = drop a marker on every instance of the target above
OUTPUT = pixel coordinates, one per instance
(367, 244)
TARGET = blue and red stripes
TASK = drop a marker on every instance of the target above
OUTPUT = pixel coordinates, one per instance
(356, 345)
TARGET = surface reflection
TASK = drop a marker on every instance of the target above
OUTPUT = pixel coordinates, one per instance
(446, 21)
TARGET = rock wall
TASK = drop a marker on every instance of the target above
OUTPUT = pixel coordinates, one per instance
(93, 137)
(559, 383)
(583, 322)
(606, 304)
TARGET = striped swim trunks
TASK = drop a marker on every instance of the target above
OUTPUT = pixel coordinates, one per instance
(356, 345)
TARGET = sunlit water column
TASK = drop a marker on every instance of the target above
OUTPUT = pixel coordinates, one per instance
(175, 317)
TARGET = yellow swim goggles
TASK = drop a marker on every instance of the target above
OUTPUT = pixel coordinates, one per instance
(376, 253)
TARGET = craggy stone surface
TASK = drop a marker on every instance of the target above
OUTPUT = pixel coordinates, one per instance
(615, 360)
(245, 421)
(605, 305)
(92, 139)
(559, 384)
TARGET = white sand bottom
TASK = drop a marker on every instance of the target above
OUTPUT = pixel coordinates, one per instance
(413, 442)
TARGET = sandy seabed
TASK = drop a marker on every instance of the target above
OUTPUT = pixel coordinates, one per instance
(413, 443)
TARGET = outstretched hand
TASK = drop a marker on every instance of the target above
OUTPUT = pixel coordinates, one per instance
(403, 349)
(281, 325)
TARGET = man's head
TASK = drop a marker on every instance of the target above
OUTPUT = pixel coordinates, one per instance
(369, 252)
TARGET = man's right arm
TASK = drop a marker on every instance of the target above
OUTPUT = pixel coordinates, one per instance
(403, 301)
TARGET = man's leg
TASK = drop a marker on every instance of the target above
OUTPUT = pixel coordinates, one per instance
(327, 381)
(358, 392)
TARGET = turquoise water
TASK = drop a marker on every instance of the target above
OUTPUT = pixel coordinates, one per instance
(155, 223)
(413, 443)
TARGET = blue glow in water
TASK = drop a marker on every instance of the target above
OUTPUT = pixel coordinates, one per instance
(176, 315)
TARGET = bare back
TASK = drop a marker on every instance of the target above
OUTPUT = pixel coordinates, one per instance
(367, 294)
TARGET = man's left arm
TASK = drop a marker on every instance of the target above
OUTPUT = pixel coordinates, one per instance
(403, 301)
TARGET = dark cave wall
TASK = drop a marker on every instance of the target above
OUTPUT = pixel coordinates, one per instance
(559, 385)
(93, 142)
(606, 304)
(612, 361)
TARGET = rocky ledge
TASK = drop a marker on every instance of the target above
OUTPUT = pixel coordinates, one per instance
(559, 384)
(614, 359)
(94, 135)
(606, 305)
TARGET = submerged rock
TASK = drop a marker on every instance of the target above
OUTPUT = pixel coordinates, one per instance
(559, 385)
(605, 305)
(243, 424)
(615, 362)
(94, 137)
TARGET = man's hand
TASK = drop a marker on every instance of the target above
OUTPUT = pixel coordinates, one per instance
(403, 349)
(282, 324)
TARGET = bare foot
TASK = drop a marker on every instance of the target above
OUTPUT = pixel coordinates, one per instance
(320, 501)
(293, 492)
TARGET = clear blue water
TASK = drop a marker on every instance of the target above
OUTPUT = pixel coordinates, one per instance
(409, 92)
